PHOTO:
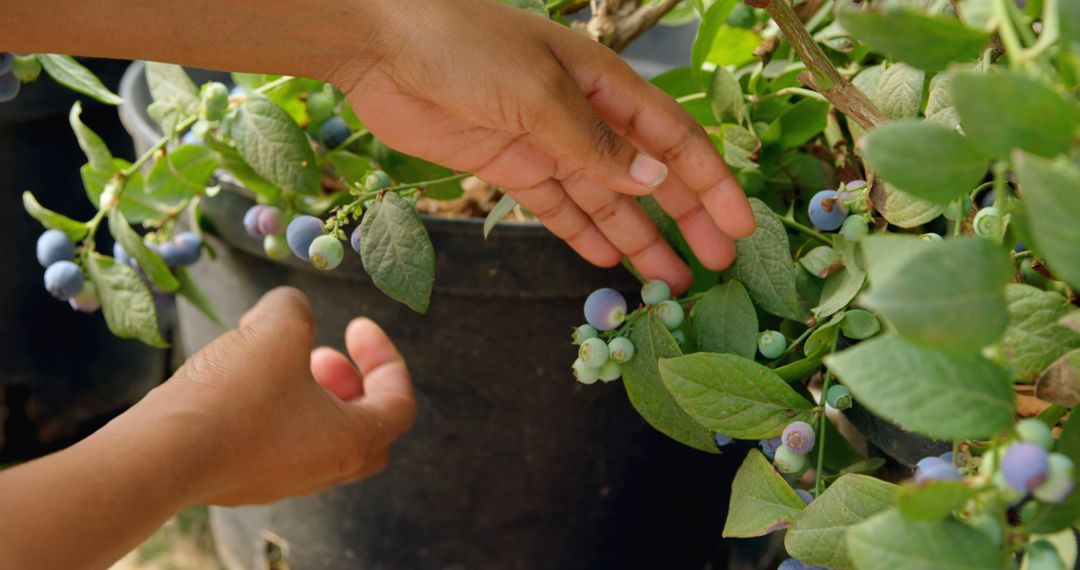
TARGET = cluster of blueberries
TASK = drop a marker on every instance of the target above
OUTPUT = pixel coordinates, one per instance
(828, 211)
(183, 250)
(605, 312)
(9, 82)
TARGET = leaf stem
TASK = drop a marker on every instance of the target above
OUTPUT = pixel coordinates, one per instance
(691, 98)
(820, 472)
(791, 223)
(1007, 32)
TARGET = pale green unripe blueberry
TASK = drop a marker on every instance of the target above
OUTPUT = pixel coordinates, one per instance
(1041, 555)
(214, 101)
(377, 180)
(839, 397)
(854, 228)
(584, 333)
(610, 371)
(988, 524)
(326, 252)
(584, 373)
(320, 106)
(772, 344)
(679, 336)
(1059, 480)
(654, 292)
(621, 349)
(1034, 431)
(931, 236)
(988, 222)
(670, 313)
(787, 461)
(276, 247)
(593, 352)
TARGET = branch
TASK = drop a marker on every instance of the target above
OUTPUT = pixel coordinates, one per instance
(616, 23)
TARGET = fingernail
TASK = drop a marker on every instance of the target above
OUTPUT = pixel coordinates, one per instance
(648, 171)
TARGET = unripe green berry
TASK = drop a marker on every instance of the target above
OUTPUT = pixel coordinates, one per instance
(1034, 431)
(931, 236)
(610, 371)
(1059, 480)
(584, 373)
(214, 101)
(654, 292)
(787, 461)
(326, 252)
(772, 344)
(377, 180)
(584, 333)
(320, 106)
(621, 349)
(26, 68)
(1041, 555)
(670, 313)
(988, 222)
(276, 247)
(679, 336)
(594, 352)
(839, 397)
(855, 228)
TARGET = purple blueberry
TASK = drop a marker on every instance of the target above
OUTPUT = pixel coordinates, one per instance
(805, 495)
(64, 280)
(825, 211)
(605, 309)
(251, 220)
(301, 232)
(334, 132)
(937, 470)
(768, 447)
(792, 564)
(53, 246)
(121, 255)
(190, 247)
(268, 221)
(9, 87)
(354, 240)
(721, 440)
(798, 437)
(1025, 466)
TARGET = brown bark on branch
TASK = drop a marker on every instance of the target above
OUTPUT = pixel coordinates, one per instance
(616, 23)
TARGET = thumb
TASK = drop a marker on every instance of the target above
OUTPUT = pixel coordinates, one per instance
(281, 319)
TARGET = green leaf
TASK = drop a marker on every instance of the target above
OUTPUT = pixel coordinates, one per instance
(235, 165)
(821, 261)
(167, 115)
(71, 74)
(888, 540)
(724, 320)
(733, 395)
(733, 47)
(726, 97)
(681, 82)
(150, 262)
(191, 291)
(1002, 111)
(134, 202)
(505, 205)
(859, 324)
(940, 107)
(842, 285)
(74, 229)
(641, 377)
(939, 301)
(397, 252)
(798, 125)
(929, 392)
(902, 209)
(182, 174)
(763, 265)
(761, 500)
(899, 91)
(800, 369)
(926, 160)
(934, 500)
(170, 84)
(353, 168)
(126, 302)
(821, 341)
(96, 151)
(1034, 339)
(886, 254)
(1052, 205)
(819, 535)
(740, 147)
(711, 23)
(274, 146)
(1050, 518)
(538, 7)
(927, 42)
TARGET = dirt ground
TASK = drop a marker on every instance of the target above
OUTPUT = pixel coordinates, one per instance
(183, 543)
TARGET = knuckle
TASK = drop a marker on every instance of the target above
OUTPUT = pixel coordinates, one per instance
(607, 141)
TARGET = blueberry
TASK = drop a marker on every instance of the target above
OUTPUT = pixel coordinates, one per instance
(9, 87)
(276, 247)
(64, 280)
(121, 255)
(377, 180)
(804, 495)
(655, 291)
(320, 106)
(825, 211)
(854, 228)
(605, 309)
(670, 313)
(251, 220)
(326, 252)
(771, 344)
(947, 457)
(237, 91)
(610, 371)
(7, 61)
(931, 236)
(190, 247)
(936, 471)
(170, 253)
(792, 564)
(1034, 431)
(301, 232)
(594, 352)
(988, 222)
(268, 221)
(621, 349)
(679, 336)
(190, 138)
(1059, 480)
(855, 185)
(53, 246)
(987, 199)
(583, 333)
(214, 101)
(1025, 466)
(1042, 555)
(721, 440)
(839, 397)
(354, 240)
(798, 437)
(768, 447)
(787, 461)
(584, 373)
(334, 132)
(87, 300)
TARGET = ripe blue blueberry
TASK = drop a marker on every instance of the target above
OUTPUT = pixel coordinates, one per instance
(935, 471)
(805, 495)
(190, 247)
(584, 373)
(334, 132)
(169, 252)
(768, 447)
(987, 199)
(251, 220)
(605, 309)
(354, 240)
(237, 91)
(377, 180)
(7, 61)
(121, 255)
(787, 461)
(988, 222)
(621, 349)
(825, 211)
(1025, 466)
(64, 280)
(594, 352)
(326, 252)
(276, 247)
(721, 440)
(679, 336)
(798, 437)
(584, 333)
(670, 313)
(771, 344)
(1034, 431)
(655, 291)
(87, 300)
(268, 221)
(53, 246)
(792, 564)
(610, 371)
(190, 138)
(854, 228)
(301, 232)
(9, 87)
(1059, 480)
(839, 397)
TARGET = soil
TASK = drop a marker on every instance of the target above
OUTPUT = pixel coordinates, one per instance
(478, 200)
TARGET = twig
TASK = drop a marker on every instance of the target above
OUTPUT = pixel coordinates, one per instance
(616, 23)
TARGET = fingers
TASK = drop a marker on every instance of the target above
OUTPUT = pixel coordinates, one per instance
(713, 248)
(562, 216)
(334, 372)
(283, 310)
(387, 406)
(653, 121)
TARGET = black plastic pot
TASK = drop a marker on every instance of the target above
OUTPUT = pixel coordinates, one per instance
(62, 373)
(512, 464)
(905, 447)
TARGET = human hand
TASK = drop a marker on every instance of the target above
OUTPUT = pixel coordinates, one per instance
(276, 419)
(557, 119)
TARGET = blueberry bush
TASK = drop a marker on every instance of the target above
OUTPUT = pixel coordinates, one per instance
(913, 167)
